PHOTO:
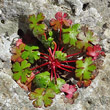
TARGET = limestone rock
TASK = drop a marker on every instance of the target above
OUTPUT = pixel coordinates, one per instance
(14, 15)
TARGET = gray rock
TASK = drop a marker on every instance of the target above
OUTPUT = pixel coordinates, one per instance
(77, 4)
(14, 15)
(12, 97)
(106, 45)
(5, 43)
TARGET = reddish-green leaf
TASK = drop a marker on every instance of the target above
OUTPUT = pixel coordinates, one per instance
(85, 83)
(84, 39)
(40, 96)
(49, 95)
(94, 51)
(60, 21)
(17, 51)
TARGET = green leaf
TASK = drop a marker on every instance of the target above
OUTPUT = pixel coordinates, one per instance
(42, 80)
(50, 33)
(37, 94)
(84, 38)
(60, 55)
(30, 53)
(70, 34)
(40, 95)
(84, 68)
(47, 42)
(35, 25)
(56, 87)
(49, 95)
(21, 71)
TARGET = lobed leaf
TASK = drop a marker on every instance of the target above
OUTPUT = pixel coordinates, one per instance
(49, 95)
(94, 51)
(35, 25)
(40, 96)
(30, 53)
(60, 21)
(84, 68)
(85, 37)
(21, 71)
(17, 51)
(70, 34)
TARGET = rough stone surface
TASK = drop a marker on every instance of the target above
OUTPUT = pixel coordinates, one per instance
(13, 15)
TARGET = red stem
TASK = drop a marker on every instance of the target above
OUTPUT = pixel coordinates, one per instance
(45, 36)
(50, 51)
(43, 57)
(58, 48)
(68, 61)
(40, 66)
(63, 68)
(51, 78)
(73, 54)
(60, 30)
(37, 72)
(54, 48)
(54, 73)
(60, 33)
(61, 48)
(58, 76)
(66, 66)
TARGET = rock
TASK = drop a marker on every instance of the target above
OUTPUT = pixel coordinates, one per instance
(12, 97)
(107, 33)
(91, 17)
(76, 6)
(5, 45)
(106, 45)
(14, 15)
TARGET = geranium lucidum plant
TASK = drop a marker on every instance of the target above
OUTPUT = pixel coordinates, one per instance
(43, 68)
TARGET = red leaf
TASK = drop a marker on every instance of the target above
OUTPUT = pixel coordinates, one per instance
(94, 51)
(69, 90)
(18, 42)
(60, 20)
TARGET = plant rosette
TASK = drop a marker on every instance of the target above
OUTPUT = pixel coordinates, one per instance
(45, 67)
